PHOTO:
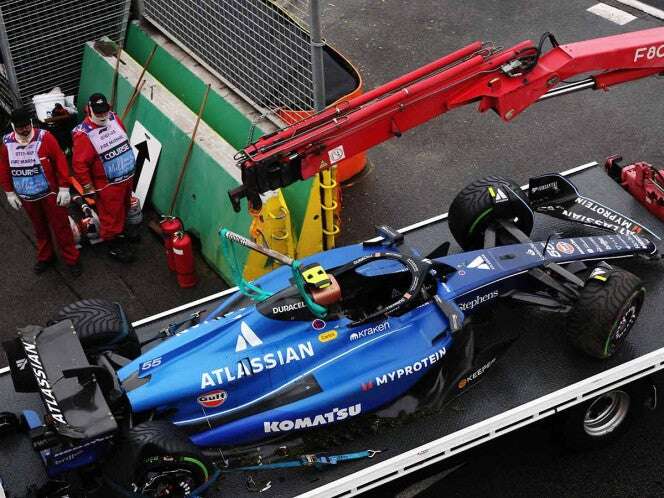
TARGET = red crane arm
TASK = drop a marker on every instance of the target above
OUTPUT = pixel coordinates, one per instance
(507, 81)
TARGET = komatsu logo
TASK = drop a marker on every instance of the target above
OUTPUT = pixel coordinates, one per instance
(336, 415)
(47, 393)
(469, 305)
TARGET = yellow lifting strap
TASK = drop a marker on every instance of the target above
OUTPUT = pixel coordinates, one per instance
(310, 240)
(271, 227)
(329, 206)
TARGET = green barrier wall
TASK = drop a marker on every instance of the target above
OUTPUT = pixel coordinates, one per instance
(202, 203)
(220, 115)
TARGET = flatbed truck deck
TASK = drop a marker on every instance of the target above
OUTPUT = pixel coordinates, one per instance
(538, 377)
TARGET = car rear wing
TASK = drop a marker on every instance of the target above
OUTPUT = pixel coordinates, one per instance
(51, 361)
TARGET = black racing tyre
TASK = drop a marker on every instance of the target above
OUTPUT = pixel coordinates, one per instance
(473, 209)
(602, 419)
(604, 313)
(101, 326)
(156, 459)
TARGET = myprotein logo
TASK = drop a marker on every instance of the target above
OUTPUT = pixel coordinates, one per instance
(469, 305)
(413, 368)
(381, 327)
(336, 415)
(246, 339)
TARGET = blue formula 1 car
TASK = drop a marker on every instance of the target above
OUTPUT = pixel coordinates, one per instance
(329, 339)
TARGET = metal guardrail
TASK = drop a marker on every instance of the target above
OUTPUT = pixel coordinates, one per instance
(42, 41)
(260, 48)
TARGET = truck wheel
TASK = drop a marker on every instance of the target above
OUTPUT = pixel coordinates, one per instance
(473, 210)
(156, 459)
(101, 326)
(605, 313)
(603, 419)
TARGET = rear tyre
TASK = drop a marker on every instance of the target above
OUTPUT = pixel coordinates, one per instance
(473, 210)
(605, 313)
(101, 326)
(156, 459)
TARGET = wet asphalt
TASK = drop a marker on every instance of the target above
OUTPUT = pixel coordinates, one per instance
(410, 179)
(417, 175)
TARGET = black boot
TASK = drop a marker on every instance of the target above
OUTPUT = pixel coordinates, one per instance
(42, 266)
(119, 250)
(75, 270)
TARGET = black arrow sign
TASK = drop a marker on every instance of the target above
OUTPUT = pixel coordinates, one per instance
(142, 156)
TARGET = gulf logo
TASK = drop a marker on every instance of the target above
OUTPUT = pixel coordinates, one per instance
(565, 247)
(212, 399)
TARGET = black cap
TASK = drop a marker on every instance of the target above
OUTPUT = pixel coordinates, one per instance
(20, 117)
(98, 103)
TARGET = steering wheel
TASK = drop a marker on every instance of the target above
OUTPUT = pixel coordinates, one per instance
(417, 268)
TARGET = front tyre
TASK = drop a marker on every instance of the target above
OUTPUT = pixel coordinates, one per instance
(473, 210)
(605, 313)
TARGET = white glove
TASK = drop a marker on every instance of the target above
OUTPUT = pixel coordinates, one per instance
(63, 197)
(14, 200)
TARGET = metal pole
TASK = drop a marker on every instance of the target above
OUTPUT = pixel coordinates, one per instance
(317, 69)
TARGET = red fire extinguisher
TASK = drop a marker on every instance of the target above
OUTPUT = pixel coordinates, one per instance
(183, 256)
(170, 225)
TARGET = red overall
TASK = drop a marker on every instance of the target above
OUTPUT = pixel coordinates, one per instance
(40, 204)
(91, 167)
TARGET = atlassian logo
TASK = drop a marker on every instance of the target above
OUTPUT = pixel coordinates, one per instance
(40, 376)
(381, 327)
(480, 263)
(478, 300)
(336, 415)
(247, 336)
(256, 364)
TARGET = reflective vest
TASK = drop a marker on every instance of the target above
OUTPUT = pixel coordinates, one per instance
(26, 170)
(112, 146)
